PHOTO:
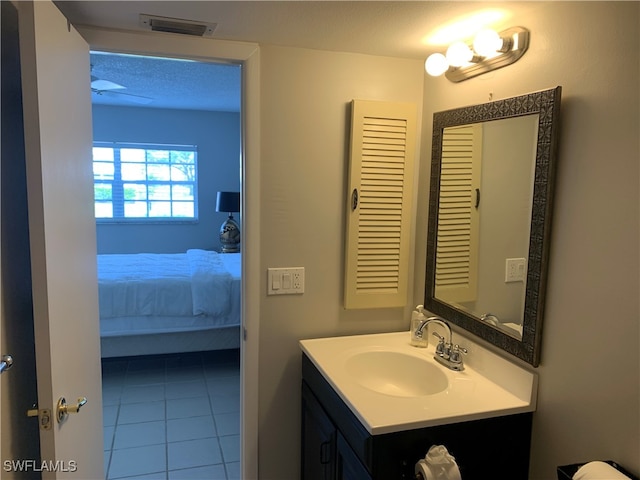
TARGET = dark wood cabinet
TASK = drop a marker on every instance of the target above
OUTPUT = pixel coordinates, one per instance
(318, 440)
(326, 455)
(337, 446)
(348, 466)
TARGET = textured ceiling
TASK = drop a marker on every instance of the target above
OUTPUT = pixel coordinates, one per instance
(166, 83)
(390, 28)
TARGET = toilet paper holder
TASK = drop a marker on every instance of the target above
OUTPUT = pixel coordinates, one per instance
(566, 472)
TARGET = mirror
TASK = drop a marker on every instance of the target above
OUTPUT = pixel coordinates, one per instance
(490, 200)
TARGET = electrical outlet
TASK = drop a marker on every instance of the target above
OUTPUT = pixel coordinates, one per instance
(297, 280)
(285, 281)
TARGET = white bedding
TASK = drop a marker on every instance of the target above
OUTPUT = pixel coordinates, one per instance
(162, 293)
(210, 283)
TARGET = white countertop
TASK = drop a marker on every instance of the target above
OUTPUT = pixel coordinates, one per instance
(503, 388)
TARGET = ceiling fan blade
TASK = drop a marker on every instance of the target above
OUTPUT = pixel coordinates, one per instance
(127, 96)
(105, 85)
(135, 98)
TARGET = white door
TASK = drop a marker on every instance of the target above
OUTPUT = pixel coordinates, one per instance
(57, 117)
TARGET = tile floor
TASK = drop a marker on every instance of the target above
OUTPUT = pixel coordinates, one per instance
(172, 417)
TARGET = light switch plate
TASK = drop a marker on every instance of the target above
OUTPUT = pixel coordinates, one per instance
(285, 281)
(515, 270)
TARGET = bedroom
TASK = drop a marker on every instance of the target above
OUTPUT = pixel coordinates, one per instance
(168, 388)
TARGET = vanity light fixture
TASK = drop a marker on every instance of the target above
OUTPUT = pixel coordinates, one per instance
(490, 50)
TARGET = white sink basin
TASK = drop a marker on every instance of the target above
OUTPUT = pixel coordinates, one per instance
(396, 374)
(391, 386)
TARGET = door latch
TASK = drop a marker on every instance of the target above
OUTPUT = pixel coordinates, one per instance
(44, 416)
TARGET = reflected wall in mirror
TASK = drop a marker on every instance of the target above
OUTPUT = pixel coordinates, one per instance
(484, 214)
(489, 216)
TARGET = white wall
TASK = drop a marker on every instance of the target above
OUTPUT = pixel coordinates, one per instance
(588, 403)
(217, 136)
(508, 160)
(305, 137)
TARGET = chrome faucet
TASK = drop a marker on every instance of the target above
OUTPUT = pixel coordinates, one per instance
(437, 320)
(447, 353)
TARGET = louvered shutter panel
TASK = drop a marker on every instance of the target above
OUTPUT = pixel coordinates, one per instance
(383, 138)
(457, 243)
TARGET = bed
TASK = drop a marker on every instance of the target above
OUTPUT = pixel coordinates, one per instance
(168, 303)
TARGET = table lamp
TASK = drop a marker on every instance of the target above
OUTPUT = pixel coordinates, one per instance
(229, 230)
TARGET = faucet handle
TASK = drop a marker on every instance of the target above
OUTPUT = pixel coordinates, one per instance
(441, 347)
(456, 350)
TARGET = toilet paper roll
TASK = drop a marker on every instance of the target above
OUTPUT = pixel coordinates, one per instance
(598, 471)
(423, 470)
(450, 472)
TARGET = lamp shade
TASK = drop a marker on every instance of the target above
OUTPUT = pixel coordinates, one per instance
(228, 202)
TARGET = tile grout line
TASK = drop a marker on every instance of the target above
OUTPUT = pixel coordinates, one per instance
(166, 427)
(209, 383)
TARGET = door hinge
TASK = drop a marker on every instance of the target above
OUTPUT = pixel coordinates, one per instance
(44, 416)
(244, 334)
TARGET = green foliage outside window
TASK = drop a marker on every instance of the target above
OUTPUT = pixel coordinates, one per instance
(144, 182)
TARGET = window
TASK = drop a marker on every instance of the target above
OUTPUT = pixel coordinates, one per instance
(136, 182)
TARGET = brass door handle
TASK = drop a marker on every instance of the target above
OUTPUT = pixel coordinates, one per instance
(63, 410)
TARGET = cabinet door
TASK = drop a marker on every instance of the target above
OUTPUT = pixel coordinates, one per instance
(318, 440)
(379, 216)
(349, 466)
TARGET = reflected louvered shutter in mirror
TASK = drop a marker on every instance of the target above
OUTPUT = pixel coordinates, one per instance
(383, 138)
(458, 214)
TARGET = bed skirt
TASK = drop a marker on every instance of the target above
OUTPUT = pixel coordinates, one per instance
(175, 342)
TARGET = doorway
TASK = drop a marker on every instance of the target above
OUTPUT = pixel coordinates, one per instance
(169, 412)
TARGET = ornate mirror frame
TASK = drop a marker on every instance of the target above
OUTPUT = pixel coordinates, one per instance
(547, 105)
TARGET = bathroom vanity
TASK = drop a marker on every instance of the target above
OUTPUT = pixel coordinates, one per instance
(372, 406)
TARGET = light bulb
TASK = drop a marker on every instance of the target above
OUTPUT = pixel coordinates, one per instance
(459, 54)
(436, 64)
(487, 43)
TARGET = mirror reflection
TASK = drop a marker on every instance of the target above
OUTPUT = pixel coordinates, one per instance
(484, 215)
(490, 203)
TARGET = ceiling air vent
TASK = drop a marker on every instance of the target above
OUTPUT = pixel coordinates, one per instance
(177, 25)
